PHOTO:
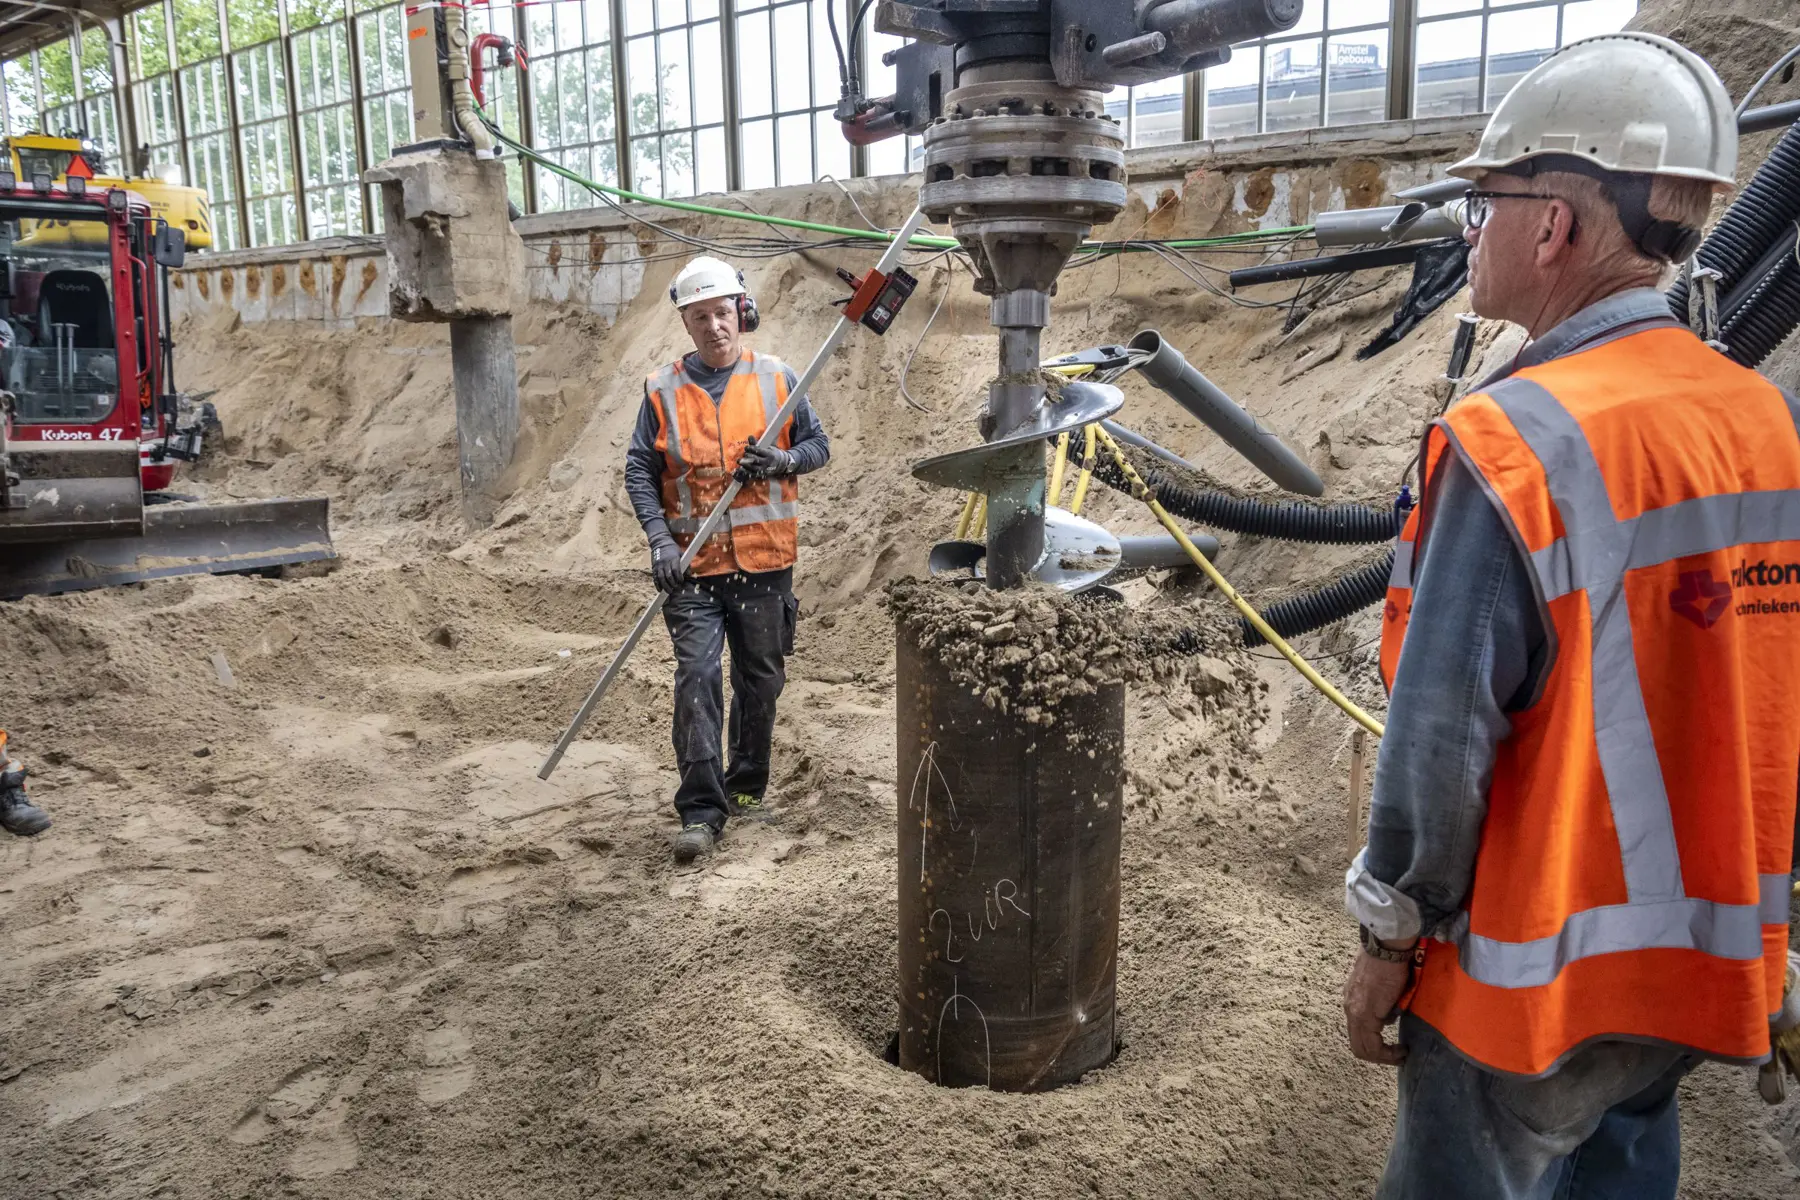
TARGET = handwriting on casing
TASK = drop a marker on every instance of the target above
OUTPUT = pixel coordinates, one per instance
(994, 904)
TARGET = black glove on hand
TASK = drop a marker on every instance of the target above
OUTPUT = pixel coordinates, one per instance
(665, 563)
(766, 462)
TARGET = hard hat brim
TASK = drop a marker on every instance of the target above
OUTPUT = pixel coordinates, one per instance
(1476, 165)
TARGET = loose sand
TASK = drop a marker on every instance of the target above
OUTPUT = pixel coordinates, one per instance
(322, 933)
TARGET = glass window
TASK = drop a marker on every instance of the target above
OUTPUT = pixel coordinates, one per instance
(56, 75)
(788, 83)
(322, 99)
(1296, 81)
(573, 116)
(196, 30)
(20, 96)
(1468, 63)
(147, 37)
(58, 355)
(387, 91)
(675, 80)
(210, 153)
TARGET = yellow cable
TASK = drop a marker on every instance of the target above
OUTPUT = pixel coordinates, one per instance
(978, 527)
(968, 514)
(1071, 370)
(1056, 472)
(1087, 472)
(1142, 492)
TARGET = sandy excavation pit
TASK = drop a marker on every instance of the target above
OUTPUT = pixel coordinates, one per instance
(322, 933)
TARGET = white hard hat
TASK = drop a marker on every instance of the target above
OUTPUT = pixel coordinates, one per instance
(1627, 102)
(703, 279)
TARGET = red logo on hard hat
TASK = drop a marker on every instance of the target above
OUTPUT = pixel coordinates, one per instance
(1700, 598)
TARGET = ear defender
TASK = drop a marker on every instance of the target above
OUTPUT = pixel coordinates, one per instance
(748, 317)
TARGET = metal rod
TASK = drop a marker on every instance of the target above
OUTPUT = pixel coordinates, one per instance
(1334, 264)
(1359, 740)
(890, 258)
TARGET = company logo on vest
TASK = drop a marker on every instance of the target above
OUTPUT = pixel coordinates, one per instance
(1700, 598)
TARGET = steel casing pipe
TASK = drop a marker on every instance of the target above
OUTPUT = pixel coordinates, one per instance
(1009, 839)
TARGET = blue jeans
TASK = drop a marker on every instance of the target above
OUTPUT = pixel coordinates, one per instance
(1603, 1126)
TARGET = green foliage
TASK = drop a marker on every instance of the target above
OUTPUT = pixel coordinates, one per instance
(56, 68)
(252, 22)
(149, 34)
(196, 30)
(304, 14)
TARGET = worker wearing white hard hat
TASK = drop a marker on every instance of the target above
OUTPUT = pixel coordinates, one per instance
(1576, 876)
(698, 426)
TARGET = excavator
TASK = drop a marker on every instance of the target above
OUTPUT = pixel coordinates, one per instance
(34, 154)
(92, 427)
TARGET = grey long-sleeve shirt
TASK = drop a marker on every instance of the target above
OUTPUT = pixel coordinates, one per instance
(644, 462)
(1473, 651)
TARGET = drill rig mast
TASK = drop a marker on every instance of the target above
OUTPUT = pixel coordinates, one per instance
(1022, 161)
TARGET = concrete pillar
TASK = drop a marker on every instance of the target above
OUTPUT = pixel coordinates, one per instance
(487, 410)
(454, 258)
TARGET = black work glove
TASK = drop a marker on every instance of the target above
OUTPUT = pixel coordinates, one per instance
(665, 563)
(765, 462)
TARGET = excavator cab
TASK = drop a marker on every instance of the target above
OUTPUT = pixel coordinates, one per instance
(92, 428)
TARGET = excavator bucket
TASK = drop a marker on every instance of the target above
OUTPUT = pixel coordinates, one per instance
(178, 538)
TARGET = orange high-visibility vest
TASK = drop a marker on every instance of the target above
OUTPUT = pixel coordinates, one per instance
(701, 443)
(1632, 877)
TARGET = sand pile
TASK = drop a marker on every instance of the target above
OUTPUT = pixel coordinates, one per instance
(319, 930)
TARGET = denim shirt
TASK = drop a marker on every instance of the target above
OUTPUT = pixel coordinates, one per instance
(1474, 648)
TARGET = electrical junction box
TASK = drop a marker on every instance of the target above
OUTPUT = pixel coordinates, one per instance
(428, 62)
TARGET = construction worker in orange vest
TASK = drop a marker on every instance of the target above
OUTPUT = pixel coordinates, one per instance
(699, 423)
(1576, 882)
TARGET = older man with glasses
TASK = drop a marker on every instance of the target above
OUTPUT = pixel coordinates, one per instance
(1577, 873)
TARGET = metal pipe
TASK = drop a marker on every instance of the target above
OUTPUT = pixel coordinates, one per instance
(1194, 26)
(1016, 497)
(1772, 116)
(1143, 443)
(1331, 264)
(1008, 879)
(1161, 552)
(1397, 223)
(1168, 370)
(1438, 191)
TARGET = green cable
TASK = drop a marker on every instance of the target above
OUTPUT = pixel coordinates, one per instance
(925, 241)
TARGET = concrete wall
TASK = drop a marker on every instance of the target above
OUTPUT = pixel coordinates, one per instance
(591, 258)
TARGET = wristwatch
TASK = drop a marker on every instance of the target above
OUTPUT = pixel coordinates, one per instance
(1373, 948)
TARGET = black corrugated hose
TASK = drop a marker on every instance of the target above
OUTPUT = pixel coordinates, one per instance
(1745, 240)
(1770, 309)
(1333, 602)
(1333, 524)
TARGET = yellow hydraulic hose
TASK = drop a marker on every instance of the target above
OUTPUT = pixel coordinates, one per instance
(1142, 492)
(978, 526)
(968, 515)
(1087, 472)
(1054, 494)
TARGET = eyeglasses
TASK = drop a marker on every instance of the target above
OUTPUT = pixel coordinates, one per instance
(1479, 206)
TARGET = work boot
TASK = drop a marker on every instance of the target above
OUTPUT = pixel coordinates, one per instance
(18, 815)
(693, 841)
(749, 807)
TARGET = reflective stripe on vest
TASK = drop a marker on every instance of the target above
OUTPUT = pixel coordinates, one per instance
(759, 532)
(1690, 751)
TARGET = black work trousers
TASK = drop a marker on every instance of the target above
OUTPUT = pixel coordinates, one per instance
(755, 614)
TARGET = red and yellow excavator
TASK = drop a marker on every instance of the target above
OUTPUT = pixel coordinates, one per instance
(92, 427)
